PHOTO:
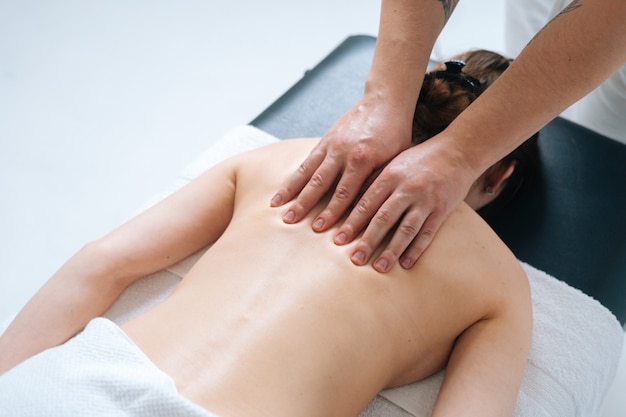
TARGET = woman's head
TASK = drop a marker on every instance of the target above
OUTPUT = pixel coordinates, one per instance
(450, 88)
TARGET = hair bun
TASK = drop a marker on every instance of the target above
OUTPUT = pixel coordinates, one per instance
(439, 103)
(441, 100)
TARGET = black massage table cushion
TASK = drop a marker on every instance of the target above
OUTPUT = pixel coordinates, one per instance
(570, 222)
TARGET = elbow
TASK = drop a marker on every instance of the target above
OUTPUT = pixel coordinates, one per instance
(105, 265)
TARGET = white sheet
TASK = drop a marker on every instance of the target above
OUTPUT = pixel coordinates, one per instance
(98, 373)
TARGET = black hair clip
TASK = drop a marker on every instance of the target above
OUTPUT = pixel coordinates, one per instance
(453, 73)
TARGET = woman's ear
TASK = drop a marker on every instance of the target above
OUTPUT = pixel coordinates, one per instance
(496, 176)
(488, 187)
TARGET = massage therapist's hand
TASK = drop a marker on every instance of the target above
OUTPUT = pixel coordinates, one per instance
(370, 134)
(414, 194)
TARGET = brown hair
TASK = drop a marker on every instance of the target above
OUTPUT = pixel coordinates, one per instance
(441, 101)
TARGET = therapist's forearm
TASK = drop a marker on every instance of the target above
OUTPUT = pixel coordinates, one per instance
(572, 55)
(407, 32)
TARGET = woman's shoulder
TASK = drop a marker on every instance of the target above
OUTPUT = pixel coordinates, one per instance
(469, 247)
(261, 171)
(466, 230)
(282, 147)
(275, 159)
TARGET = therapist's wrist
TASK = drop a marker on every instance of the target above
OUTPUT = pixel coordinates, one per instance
(397, 106)
(462, 153)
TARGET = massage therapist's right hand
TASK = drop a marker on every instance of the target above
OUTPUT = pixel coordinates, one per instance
(365, 138)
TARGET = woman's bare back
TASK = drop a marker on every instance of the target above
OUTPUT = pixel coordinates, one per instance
(274, 319)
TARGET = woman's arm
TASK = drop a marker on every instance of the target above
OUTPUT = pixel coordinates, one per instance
(89, 282)
(487, 363)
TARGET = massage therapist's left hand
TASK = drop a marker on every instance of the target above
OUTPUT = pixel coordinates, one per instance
(370, 134)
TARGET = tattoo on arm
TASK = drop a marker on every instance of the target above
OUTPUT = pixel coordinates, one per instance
(570, 7)
(448, 7)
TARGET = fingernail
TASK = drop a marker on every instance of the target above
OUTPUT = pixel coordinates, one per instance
(318, 223)
(381, 265)
(341, 238)
(406, 263)
(276, 200)
(289, 216)
(358, 257)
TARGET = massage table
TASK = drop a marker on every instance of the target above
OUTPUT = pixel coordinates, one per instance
(568, 225)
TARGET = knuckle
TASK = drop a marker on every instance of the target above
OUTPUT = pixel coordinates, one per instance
(382, 216)
(303, 168)
(363, 206)
(399, 169)
(358, 156)
(342, 193)
(408, 229)
(398, 176)
(427, 234)
(353, 152)
(317, 181)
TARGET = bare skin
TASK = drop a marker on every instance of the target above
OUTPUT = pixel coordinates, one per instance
(275, 320)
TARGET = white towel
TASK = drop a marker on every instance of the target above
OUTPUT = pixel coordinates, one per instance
(576, 344)
(98, 373)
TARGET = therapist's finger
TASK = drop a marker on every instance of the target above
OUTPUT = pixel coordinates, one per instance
(421, 242)
(345, 193)
(376, 192)
(381, 224)
(413, 234)
(319, 183)
(297, 180)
